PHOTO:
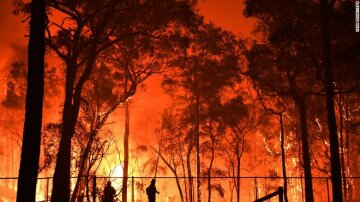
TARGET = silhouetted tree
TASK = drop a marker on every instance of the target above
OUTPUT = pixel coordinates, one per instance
(314, 42)
(291, 48)
(240, 120)
(206, 66)
(326, 7)
(135, 60)
(34, 105)
(340, 55)
(176, 146)
(87, 30)
(12, 108)
(279, 111)
(283, 79)
(98, 97)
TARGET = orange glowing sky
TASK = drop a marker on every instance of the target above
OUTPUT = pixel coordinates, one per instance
(148, 104)
(228, 15)
(224, 13)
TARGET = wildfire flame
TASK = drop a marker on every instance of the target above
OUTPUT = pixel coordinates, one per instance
(117, 173)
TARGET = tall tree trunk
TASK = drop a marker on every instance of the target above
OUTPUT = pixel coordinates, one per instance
(283, 158)
(61, 180)
(126, 143)
(299, 167)
(30, 151)
(341, 131)
(211, 161)
(82, 166)
(179, 187)
(334, 144)
(238, 164)
(347, 146)
(188, 165)
(197, 137)
(309, 197)
(173, 170)
(126, 153)
(184, 174)
(231, 191)
(61, 189)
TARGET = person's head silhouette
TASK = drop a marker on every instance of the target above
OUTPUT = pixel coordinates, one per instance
(152, 182)
(108, 183)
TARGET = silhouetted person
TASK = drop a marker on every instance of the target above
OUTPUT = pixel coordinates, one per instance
(151, 191)
(109, 193)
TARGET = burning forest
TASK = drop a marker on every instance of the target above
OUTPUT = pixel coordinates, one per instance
(180, 100)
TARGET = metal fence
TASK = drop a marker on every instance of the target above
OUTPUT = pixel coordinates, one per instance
(222, 189)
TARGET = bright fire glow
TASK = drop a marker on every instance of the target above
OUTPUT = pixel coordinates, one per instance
(118, 174)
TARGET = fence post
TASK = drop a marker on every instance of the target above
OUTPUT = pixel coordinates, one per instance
(132, 189)
(94, 188)
(281, 194)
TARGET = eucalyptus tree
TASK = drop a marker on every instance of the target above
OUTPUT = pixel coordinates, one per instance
(328, 9)
(30, 152)
(175, 150)
(134, 60)
(278, 73)
(281, 65)
(319, 29)
(118, 74)
(240, 120)
(207, 65)
(86, 29)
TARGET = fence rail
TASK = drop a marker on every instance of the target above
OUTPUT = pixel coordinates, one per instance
(252, 188)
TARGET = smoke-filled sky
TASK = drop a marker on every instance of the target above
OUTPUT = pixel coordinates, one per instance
(228, 15)
(149, 101)
(13, 43)
(12, 37)
(149, 104)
